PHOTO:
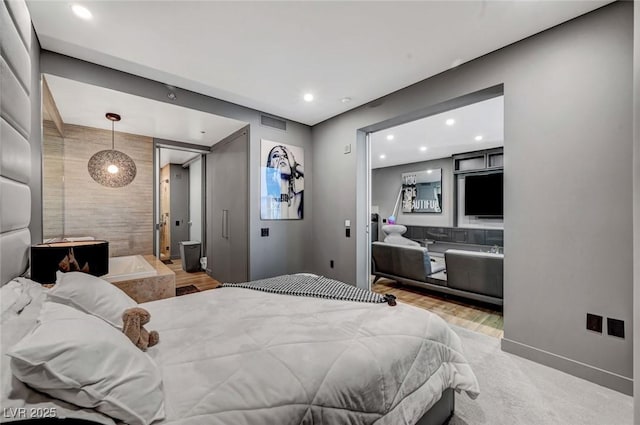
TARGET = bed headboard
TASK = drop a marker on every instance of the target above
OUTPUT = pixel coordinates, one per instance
(15, 129)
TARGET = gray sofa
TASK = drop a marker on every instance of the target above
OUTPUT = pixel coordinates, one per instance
(474, 275)
(410, 262)
(478, 273)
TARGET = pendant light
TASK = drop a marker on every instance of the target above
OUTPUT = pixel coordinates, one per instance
(110, 167)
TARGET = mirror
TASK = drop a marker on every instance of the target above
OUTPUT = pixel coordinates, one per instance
(422, 191)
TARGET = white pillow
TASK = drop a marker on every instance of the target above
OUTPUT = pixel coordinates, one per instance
(80, 359)
(92, 295)
(14, 394)
(14, 296)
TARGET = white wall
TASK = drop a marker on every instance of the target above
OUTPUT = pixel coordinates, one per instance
(568, 127)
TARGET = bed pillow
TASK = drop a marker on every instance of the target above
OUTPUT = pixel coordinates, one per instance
(80, 359)
(14, 297)
(91, 295)
(15, 395)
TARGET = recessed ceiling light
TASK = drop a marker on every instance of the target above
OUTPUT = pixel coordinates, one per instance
(383, 156)
(308, 97)
(81, 11)
(478, 138)
(390, 137)
(345, 100)
(423, 148)
(450, 121)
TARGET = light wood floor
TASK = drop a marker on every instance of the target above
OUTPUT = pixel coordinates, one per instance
(200, 280)
(453, 310)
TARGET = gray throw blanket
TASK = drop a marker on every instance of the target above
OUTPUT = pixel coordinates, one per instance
(314, 286)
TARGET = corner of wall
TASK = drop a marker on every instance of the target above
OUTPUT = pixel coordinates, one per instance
(636, 214)
(35, 140)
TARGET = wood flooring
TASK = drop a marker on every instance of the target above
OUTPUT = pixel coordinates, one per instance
(476, 317)
(200, 280)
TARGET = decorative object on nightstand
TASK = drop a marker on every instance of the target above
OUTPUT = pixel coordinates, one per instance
(90, 257)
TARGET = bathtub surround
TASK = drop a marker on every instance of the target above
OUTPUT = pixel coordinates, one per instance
(123, 216)
(150, 288)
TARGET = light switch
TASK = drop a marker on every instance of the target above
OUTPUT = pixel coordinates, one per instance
(347, 148)
(347, 223)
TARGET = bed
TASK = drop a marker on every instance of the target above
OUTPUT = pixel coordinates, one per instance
(238, 356)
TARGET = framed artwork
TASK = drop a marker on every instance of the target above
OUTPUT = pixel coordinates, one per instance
(281, 181)
(422, 191)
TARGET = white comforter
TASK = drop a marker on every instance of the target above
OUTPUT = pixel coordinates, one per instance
(243, 357)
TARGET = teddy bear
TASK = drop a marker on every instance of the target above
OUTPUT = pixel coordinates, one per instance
(133, 321)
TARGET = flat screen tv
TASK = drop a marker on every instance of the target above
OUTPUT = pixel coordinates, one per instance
(483, 195)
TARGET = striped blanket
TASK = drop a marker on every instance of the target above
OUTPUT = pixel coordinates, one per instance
(314, 286)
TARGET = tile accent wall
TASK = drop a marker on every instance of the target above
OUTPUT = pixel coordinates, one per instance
(53, 179)
(457, 235)
(123, 216)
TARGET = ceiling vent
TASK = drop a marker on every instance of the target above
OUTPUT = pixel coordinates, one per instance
(273, 122)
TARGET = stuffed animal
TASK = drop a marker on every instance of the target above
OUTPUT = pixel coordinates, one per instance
(133, 321)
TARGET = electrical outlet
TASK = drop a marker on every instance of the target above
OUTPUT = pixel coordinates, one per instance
(615, 327)
(264, 232)
(331, 263)
(594, 322)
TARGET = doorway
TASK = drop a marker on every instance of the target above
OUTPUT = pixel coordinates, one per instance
(448, 244)
(181, 188)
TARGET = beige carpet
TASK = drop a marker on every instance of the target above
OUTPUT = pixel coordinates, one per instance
(516, 391)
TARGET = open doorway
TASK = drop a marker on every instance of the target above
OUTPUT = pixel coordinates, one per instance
(84, 199)
(181, 219)
(437, 222)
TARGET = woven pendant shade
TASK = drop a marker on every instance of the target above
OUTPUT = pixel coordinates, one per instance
(100, 162)
(112, 168)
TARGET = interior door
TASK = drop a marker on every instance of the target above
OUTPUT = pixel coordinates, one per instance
(228, 209)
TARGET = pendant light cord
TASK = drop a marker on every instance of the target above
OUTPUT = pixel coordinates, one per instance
(112, 138)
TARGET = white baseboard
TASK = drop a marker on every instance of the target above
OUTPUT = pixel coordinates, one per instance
(581, 370)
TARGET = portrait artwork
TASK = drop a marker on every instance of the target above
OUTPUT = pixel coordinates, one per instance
(281, 181)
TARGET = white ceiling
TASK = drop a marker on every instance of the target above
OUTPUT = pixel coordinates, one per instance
(85, 104)
(175, 156)
(484, 119)
(266, 55)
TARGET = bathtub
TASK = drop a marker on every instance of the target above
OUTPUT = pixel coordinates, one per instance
(128, 268)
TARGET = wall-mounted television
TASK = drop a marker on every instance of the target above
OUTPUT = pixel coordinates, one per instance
(483, 195)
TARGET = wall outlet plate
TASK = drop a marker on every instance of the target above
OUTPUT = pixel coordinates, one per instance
(264, 232)
(615, 327)
(594, 322)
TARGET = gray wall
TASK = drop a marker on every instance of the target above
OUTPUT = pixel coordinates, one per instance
(636, 213)
(568, 128)
(35, 139)
(288, 237)
(385, 183)
(179, 207)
